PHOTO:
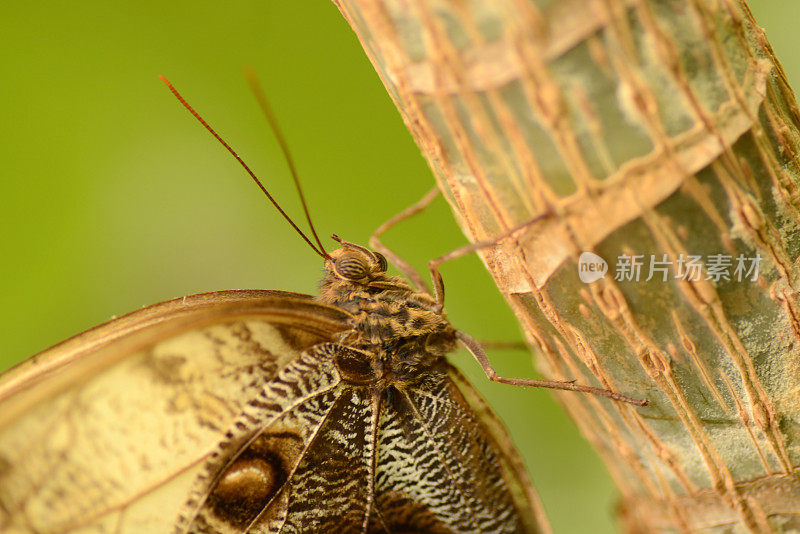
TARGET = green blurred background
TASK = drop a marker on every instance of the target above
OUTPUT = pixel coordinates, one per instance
(113, 198)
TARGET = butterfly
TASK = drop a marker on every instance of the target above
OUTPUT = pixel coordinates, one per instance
(263, 411)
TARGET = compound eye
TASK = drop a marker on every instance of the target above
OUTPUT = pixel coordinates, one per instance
(381, 262)
(351, 267)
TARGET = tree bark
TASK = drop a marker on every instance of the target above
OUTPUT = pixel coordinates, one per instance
(656, 128)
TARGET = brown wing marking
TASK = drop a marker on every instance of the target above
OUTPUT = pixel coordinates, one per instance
(437, 471)
(306, 454)
(298, 459)
(263, 447)
(121, 432)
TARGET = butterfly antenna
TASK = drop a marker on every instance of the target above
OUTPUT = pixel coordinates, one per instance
(261, 97)
(320, 250)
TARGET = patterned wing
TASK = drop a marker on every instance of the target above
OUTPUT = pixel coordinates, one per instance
(440, 469)
(330, 446)
(298, 459)
(107, 432)
(518, 483)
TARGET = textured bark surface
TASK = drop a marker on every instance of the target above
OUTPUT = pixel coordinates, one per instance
(650, 127)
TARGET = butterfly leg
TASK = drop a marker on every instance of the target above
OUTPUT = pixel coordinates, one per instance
(477, 351)
(433, 265)
(399, 262)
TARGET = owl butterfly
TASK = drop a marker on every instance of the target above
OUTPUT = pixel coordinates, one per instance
(263, 411)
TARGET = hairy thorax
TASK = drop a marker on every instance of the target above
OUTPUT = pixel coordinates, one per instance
(396, 324)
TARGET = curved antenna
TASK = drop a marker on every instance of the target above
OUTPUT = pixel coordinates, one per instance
(261, 97)
(244, 165)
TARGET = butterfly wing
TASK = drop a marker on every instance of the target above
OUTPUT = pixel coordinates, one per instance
(108, 431)
(328, 448)
(298, 458)
(512, 468)
(443, 465)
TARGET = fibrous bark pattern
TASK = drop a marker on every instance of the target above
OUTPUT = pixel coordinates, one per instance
(656, 128)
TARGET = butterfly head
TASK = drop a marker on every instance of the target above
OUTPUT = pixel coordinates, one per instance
(391, 319)
(355, 264)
